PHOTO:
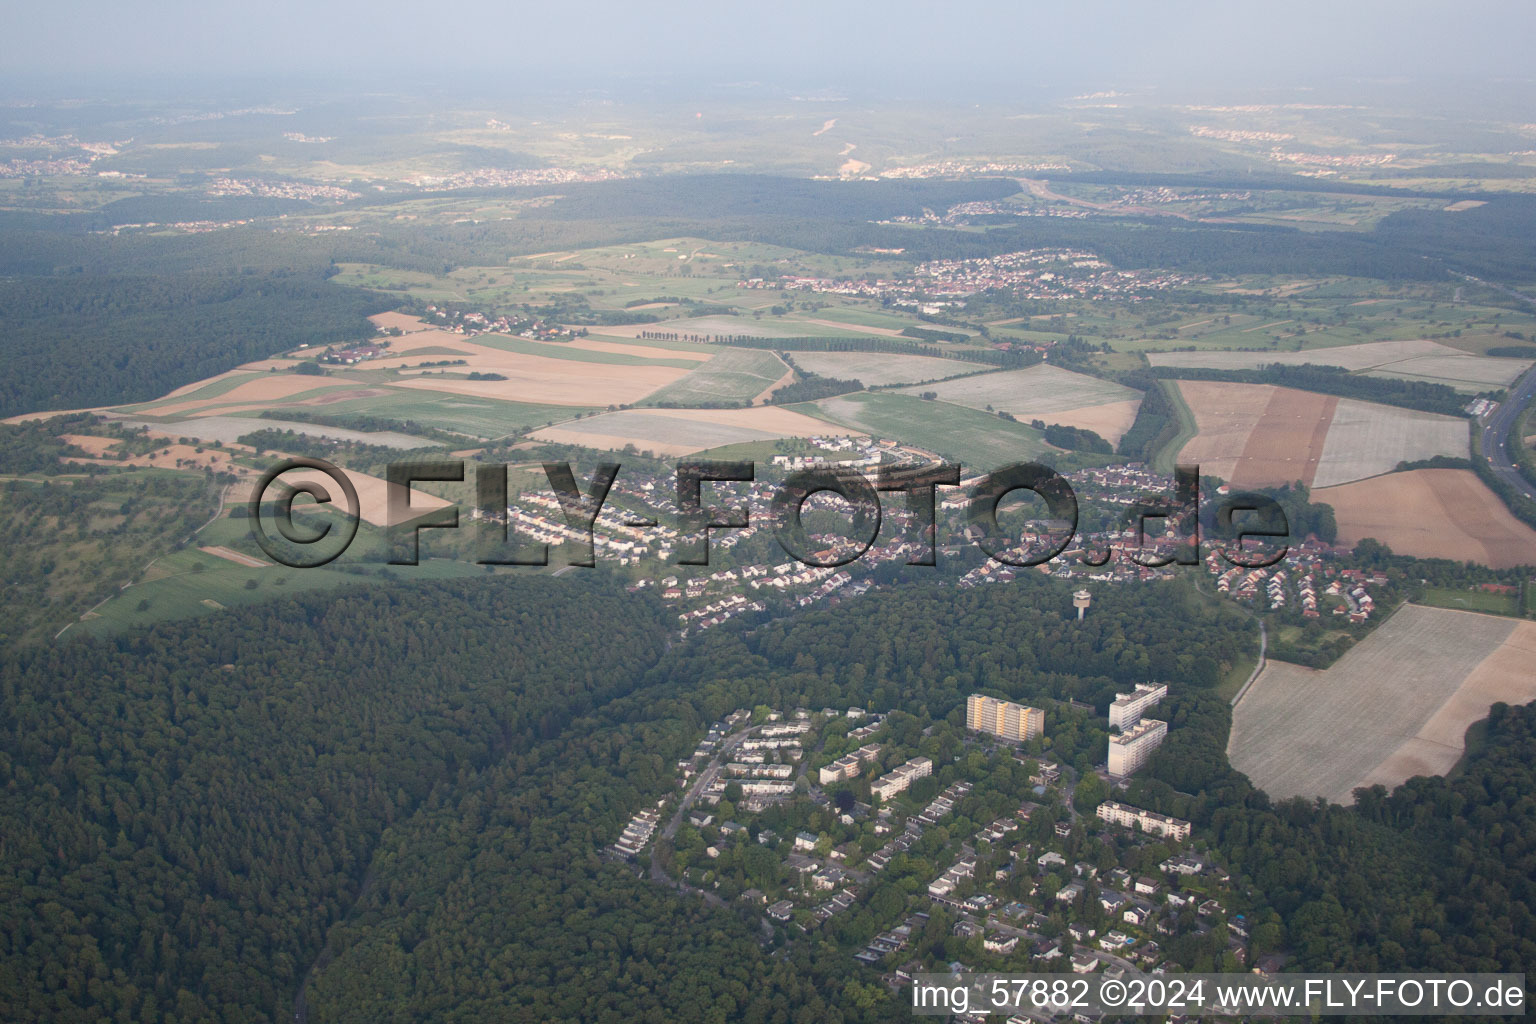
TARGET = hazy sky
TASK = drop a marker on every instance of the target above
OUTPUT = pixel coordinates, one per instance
(784, 41)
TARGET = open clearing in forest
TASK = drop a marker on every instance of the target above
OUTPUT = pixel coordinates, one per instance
(1398, 704)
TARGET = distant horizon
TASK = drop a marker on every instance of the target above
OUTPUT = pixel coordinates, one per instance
(917, 49)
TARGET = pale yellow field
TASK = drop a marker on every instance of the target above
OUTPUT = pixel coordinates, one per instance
(1508, 675)
(1395, 705)
(1109, 421)
(1432, 513)
(372, 494)
(261, 391)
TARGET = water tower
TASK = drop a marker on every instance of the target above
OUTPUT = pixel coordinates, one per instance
(1080, 600)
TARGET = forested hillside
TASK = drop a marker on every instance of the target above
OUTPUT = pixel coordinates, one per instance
(184, 814)
(76, 341)
(409, 791)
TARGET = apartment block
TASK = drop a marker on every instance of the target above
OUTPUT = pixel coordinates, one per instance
(849, 765)
(1150, 821)
(1132, 748)
(898, 780)
(1128, 708)
(1003, 718)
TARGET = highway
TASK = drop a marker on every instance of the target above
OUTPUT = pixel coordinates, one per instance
(1495, 434)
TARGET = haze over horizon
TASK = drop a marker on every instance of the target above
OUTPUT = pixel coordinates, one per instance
(920, 48)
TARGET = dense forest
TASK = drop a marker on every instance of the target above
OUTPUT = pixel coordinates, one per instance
(83, 340)
(403, 794)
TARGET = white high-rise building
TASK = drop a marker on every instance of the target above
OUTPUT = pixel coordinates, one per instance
(1131, 749)
(1128, 708)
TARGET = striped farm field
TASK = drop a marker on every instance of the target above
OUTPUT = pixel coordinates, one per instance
(684, 431)
(734, 375)
(1047, 393)
(874, 369)
(1396, 705)
(1258, 435)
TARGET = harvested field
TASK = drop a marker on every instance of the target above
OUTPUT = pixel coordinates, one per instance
(1415, 360)
(1043, 392)
(228, 429)
(403, 321)
(260, 391)
(372, 494)
(735, 375)
(91, 444)
(1366, 439)
(879, 368)
(1256, 435)
(706, 326)
(1504, 676)
(1395, 704)
(683, 431)
(1432, 513)
(552, 381)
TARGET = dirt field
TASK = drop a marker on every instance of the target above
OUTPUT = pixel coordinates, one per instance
(95, 446)
(1256, 435)
(1432, 513)
(404, 321)
(1397, 703)
(683, 431)
(172, 456)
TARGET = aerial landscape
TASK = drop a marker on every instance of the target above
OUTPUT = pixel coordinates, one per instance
(730, 538)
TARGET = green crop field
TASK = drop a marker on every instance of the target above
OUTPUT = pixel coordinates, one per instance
(735, 375)
(1164, 459)
(1472, 600)
(476, 417)
(1036, 391)
(977, 440)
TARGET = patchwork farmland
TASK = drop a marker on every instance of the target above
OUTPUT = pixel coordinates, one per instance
(1432, 513)
(1396, 705)
(1409, 360)
(1258, 435)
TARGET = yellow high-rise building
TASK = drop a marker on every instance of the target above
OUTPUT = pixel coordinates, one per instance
(1003, 718)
